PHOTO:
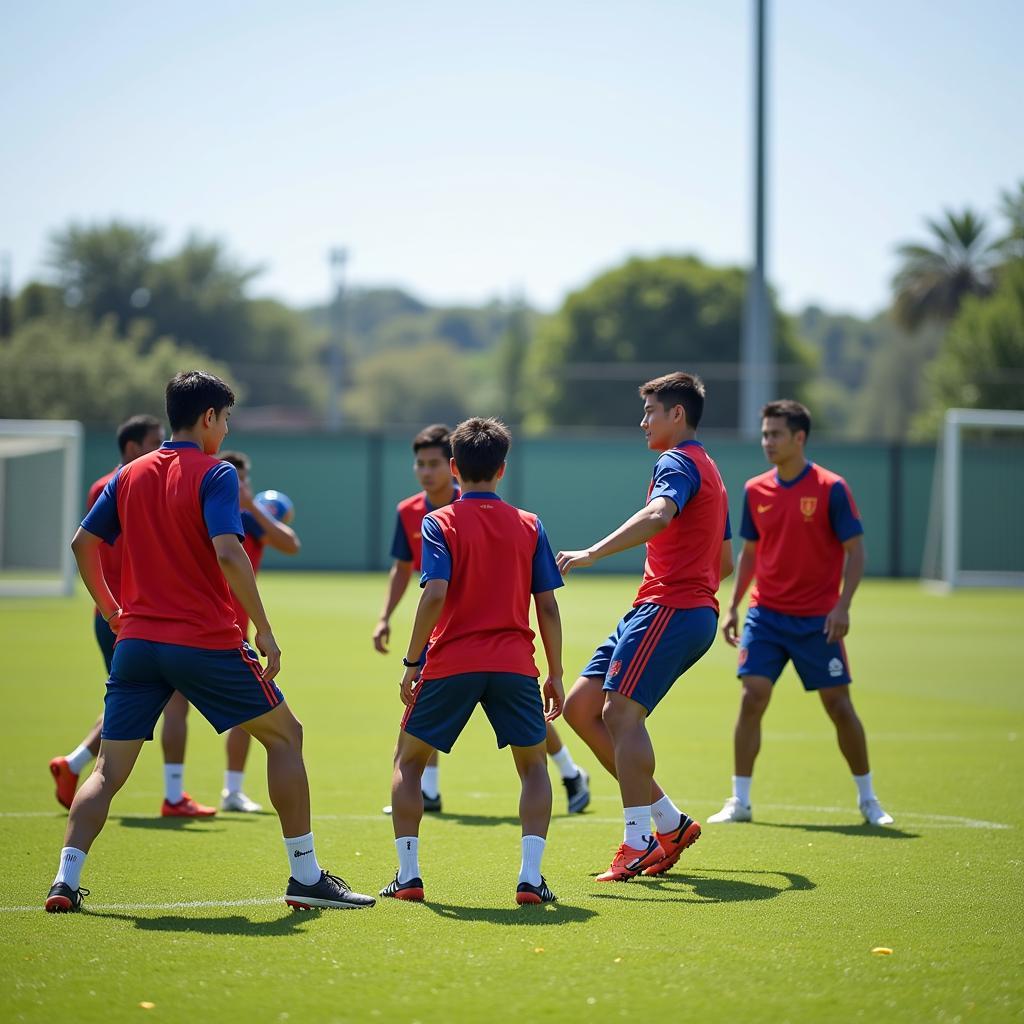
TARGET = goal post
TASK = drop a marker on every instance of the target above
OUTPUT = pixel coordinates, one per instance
(40, 479)
(959, 492)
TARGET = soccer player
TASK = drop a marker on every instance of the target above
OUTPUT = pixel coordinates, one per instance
(802, 537)
(432, 454)
(137, 436)
(482, 559)
(177, 513)
(685, 525)
(261, 529)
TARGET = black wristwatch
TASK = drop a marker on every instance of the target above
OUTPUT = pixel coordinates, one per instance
(412, 664)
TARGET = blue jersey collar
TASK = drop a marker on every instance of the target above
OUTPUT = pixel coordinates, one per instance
(479, 494)
(179, 444)
(792, 483)
(684, 444)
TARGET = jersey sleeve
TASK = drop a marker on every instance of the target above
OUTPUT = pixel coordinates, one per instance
(545, 572)
(675, 477)
(218, 497)
(401, 549)
(102, 519)
(251, 526)
(842, 512)
(728, 527)
(437, 559)
(748, 531)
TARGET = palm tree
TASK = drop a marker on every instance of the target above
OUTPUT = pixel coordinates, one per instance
(934, 279)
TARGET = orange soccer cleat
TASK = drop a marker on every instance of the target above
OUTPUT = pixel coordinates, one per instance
(673, 844)
(66, 780)
(628, 862)
(186, 807)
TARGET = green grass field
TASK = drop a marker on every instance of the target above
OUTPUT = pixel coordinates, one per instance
(770, 921)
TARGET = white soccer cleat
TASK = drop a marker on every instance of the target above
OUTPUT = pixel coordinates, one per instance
(732, 811)
(874, 813)
(238, 802)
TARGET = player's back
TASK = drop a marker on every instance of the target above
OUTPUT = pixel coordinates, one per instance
(173, 589)
(485, 624)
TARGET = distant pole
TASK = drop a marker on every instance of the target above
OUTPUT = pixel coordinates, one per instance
(337, 259)
(757, 372)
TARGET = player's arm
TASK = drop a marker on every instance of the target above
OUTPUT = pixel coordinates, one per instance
(398, 583)
(86, 549)
(428, 611)
(837, 623)
(549, 623)
(744, 577)
(638, 529)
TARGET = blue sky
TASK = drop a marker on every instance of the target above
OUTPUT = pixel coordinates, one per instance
(468, 150)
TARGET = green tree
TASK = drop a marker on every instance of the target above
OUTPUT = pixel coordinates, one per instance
(1011, 206)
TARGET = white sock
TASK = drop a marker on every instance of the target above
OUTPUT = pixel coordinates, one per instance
(233, 781)
(865, 787)
(567, 766)
(429, 783)
(408, 848)
(666, 815)
(533, 850)
(71, 863)
(302, 860)
(638, 826)
(174, 782)
(79, 758)
(741, 788)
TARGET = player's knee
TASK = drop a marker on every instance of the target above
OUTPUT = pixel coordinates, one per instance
(755, 700)
(617, 715)
(840, 709)
(581, 707)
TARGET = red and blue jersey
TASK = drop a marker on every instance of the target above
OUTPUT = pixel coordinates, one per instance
(683, 567)
(166, 507)
(494, 557)
(253, 546)
(110, 554)
(407, 544)
(800, 526)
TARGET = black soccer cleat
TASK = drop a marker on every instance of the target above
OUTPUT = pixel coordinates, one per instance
(577, 789)
(526, 893)
(330, 893)
(411, 890)
(62, 899)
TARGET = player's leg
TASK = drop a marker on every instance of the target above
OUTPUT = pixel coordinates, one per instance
(431, 785)
(232, 797)
(574, 778)
(173, 739)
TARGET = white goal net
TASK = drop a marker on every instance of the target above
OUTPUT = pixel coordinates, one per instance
(975, 537)
(40, 478)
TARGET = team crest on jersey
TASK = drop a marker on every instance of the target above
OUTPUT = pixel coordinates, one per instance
(614, 669)
(808, 506)
(835, 667)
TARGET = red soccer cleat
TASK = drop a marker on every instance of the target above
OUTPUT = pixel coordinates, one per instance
(628, 862)
(186, 807)
(673, 843)
(66, 780)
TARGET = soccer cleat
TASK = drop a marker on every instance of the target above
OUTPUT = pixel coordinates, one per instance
(673, 843)
(874, 813)
(578, 791)
(526, 893)
(628, 862)
(66, 780)
(329, 893)
(62, 899)
(238, 801)
(431, 805)
(186, 807)
(411, 890)
(732, 811)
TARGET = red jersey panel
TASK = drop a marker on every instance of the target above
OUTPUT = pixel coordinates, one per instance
(173, 590)
(407, 545)
(110, 554)
(800, 527)
(485, 624)
(683, 567)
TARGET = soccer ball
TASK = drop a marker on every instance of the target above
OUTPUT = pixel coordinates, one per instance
(277, 504)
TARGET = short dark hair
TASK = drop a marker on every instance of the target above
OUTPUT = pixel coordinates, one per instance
(480, 446)
(237, 459)
(135, 428)
(191, 392)
(796, 415)
(437, 435)
(685, 389)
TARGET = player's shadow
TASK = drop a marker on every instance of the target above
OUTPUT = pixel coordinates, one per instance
(863, 830)
(548, 915)
(711, 885)
(478, 819)
(236, 924)
(172, 824)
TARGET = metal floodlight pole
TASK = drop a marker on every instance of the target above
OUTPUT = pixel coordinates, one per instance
(337, 259)
(757, 350)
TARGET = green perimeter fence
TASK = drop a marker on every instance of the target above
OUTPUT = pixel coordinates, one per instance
(345, 488)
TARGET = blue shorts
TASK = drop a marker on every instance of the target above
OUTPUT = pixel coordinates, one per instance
(651, 648)
(106, 638)
(443, 707)
(227, 687)
(770, 639)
